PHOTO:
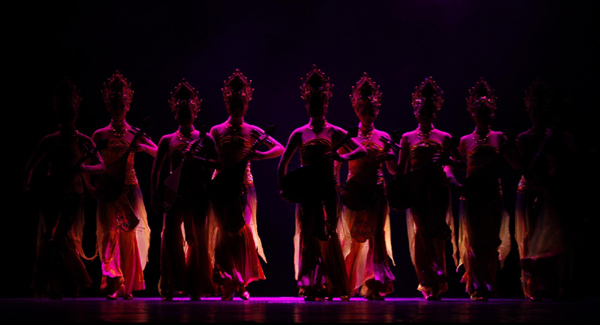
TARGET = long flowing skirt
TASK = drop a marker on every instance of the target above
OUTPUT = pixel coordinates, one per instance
(484, 241)
(58, 267)
(540, 240)
(236, 262)
(368, 262)
(430, 225)
(185, 261)
(123, 253)
(319, 257)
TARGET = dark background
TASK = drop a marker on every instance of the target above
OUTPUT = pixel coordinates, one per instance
(398, 43)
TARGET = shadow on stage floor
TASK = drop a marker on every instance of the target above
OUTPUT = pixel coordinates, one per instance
(296, 310)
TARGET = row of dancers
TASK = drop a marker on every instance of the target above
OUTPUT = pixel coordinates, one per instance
(210, 242)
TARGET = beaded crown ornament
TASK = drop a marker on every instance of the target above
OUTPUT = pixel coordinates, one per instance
(481, 95)
(428, 93)
(117, 83)
(314, 83)
(366, 90)
(185, 94)
(237, 84)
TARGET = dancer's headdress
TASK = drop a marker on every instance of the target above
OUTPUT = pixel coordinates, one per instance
(366, 90)
(184, 93)
(428, 92)
(117, 82)
(481, 94)
(315, 82)
(237, 83)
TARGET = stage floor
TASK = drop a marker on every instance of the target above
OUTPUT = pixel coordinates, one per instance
(296, 310)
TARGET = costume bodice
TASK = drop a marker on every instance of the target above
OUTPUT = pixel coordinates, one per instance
(422, 153)
(194, 175)
(479, 156)
(115, 149)
(231, 151)
(357, 165)
(314, 150)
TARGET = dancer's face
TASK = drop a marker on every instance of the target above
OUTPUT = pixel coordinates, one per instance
(539, 112)
(185, 114)
(237, 105)
(316, 104)
(425, 111)
(366, 112)
(118, 103)
(66, 112)
(483, 114)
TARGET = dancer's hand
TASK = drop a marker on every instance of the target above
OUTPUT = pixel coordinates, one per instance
(333, 155)
(249, 153)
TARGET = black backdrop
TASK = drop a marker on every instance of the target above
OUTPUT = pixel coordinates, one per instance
(398, 43)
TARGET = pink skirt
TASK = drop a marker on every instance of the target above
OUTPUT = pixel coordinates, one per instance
(123, 253)
(368, 262)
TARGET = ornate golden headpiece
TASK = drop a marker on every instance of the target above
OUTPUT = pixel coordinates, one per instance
(185, 93)
(237, 83)
(428, 92)
(366, 90)
(315, 82)
(117, 83)
(481, 94)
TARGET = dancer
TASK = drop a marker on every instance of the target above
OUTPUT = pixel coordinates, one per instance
(319, 259)
(371, 251)
(234, 196)
(429, 219)
(68, 155)
(185, 260)
(484, 236)
(123, 234)
(550, 217)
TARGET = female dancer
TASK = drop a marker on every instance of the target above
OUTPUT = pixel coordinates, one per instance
(429, 219)
(484, 237)
(59, 268)
(319, 260)
(185, 263)
(237, 240)
(123, 247)
(367, 263)
(539, 226)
